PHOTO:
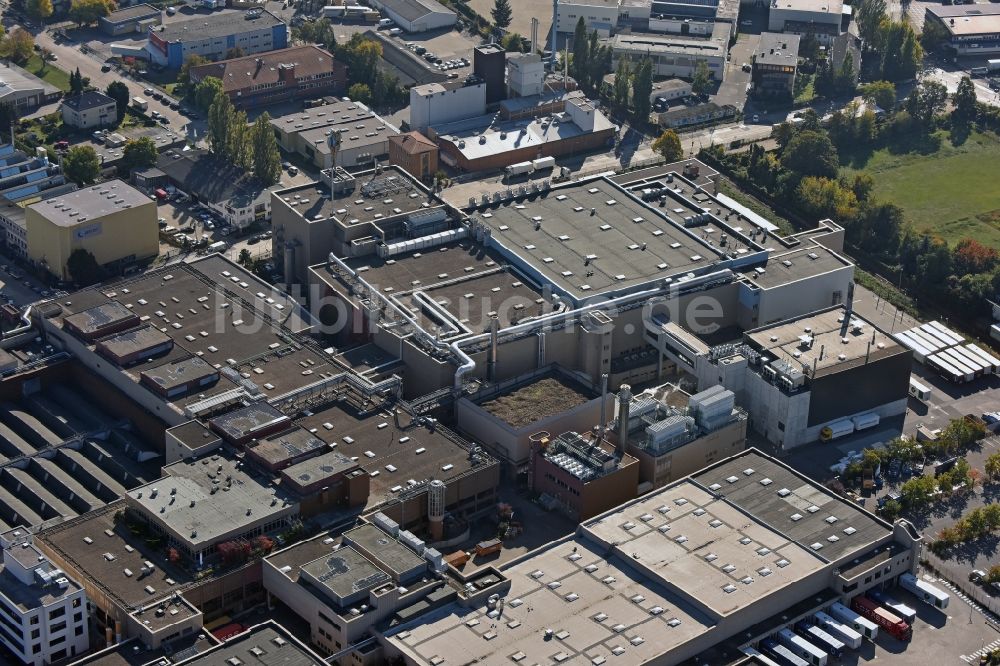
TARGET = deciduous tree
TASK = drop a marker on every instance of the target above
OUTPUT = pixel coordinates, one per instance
(17, 46)
(701, 82)
(138, 154)
(81, 165)
(642, 88)
(669, 146)
(964, 101)
(811, 153)
(880, 93)
(39, 9)
(118, 91)
(206, 91)
(266, 158)
(85, 12)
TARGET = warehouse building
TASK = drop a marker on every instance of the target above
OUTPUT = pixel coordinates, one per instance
(284, 75)
(970, 30)
(113, 221)
(416, 15)
(674, 56)
(254, 31)
(45, 616)
(341, 133)
(217, 311)
(89, 109)
(725, 555)
(343, 587)
(536, 255)
(599, 15)
(483, 144)
(23, 90)
(349, 217)
(820, 18)
(135, 18)
(800, 376)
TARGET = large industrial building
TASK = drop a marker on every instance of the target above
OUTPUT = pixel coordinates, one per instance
(284, 75)
(483, 144)
(349, 217)
(436, 104)
(970, 30)
(673, 55)
(136, 18)
(801, 375)
(362, 136)
(719, 560)
(253, 31)
(416, 15)
(537, 256)
(113, 221)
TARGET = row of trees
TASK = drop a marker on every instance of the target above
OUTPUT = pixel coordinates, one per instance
(590, 60)
(978, 523)
(252, 148)
(893, 48)
(804, 176)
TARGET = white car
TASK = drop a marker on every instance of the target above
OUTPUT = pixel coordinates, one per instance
(171, 11)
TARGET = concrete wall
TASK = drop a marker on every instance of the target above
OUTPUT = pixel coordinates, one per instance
(598, 16)
(803, 296)
(436, 108)
(100, 116)
(117, 236)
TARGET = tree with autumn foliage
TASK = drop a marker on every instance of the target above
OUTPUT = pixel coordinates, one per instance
(971, 256)
(173, 555)
(263, 544)
(234, 552)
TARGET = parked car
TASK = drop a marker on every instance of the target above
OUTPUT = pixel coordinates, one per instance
(977, 576)
(105, 67)
(147, 91)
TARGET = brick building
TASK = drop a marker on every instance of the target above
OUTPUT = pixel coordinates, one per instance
(288, 74)
(414, 153)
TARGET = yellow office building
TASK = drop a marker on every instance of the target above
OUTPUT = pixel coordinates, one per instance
(113, 221)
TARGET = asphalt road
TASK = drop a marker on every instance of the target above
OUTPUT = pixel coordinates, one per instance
(70, 57)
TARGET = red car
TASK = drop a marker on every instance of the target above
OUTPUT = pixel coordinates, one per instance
(62, 145)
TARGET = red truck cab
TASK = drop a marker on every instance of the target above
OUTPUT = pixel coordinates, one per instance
(896, 627)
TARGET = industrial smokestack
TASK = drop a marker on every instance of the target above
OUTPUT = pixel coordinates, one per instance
(555, 17)
(491, 359)
(436, 495)
(604, 400)
(534, 34)
(624, 404)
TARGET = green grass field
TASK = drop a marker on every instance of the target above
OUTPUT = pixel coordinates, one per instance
(47, 71)
(953, 193)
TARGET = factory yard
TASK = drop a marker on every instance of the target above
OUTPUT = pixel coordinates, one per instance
(962, 202)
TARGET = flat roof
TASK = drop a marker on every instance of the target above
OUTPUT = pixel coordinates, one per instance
(393, 193)
(777, 49)
(166, 613)
(817, 6)
(90, 203)
(345, 572)
(170, 376)
(320, 468)
(841, 340)
(594, 236)
(287, 445)
(28, 597)
(391, 447)
(215, 310)
(969, 19)
(193, 502)
(268, 643)
(85, 543)
(248, 421)
(785, 266)
(655, 573)
(484, 136)
(131, 13)
(466, 279)
(131, 652)
(217, 25)
(193, 434)
(135, 341)
(336, 113)
(650, 44)
(529, 403)
(389, 552)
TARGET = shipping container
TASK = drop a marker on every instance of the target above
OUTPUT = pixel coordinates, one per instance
(759, 657)
(819, 638)
(993, 361)
(864, 421)
(781, 654)
(140, 103)
(953, 336)
(802, 648)
(946, 369)
(847, 635)
(993, 65)
(860, 624)
(893, 624)
(543, 163)
(924, 591)
(519, 169)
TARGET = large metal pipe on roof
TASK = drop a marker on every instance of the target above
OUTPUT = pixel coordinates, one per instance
(604, 401)
(491, 359)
